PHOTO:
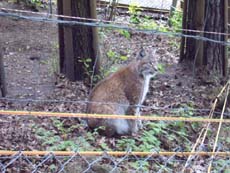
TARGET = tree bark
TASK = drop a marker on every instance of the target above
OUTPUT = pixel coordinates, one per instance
(78, 43)
(214, 53)
(208, 16)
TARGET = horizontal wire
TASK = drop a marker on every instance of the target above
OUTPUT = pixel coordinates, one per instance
(157, 9)
(104, 25)
(112, 153)
(103, 21)
(156, 108)
(62, 16)
(107, 116)
(104, 103)
(128, 28)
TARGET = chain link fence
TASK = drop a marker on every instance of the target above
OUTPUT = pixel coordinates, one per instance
(104, 163)
(154, 4)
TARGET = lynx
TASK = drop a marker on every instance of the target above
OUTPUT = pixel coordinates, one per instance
(117, 94)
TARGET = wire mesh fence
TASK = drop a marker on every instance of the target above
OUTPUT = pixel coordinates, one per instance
(134, 159)
(162, 4)
(106, 162)
(146, 152)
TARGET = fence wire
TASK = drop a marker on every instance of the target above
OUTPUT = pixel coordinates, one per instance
(152, 4)
(75, 161)
(114, 26)
(104, 162)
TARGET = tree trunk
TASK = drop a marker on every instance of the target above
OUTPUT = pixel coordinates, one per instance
(208, 16)
(112, 10)
(194, 21)
(78, 44)
(214, 53)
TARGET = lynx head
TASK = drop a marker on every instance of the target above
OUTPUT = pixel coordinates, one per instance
(147, 68)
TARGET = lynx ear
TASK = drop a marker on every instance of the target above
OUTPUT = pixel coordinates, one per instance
(141, 54)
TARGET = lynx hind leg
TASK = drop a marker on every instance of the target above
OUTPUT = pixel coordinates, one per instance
(103, 127)
(133, 126)
(122, 126)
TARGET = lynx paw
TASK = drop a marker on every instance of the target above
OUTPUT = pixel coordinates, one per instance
(140, 124)
(135, 128)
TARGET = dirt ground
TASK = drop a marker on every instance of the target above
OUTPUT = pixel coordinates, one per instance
(30, 59)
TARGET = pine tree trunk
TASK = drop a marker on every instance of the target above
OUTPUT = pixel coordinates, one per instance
(214, 53)
(78, 44)
(208, 16)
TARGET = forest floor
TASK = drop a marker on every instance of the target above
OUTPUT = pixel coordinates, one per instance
(30, 59)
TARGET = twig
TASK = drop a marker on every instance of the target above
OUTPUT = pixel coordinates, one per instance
(218, 131)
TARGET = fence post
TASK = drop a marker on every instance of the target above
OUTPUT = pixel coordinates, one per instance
(2, 75)
(172, 9)
(184, 26)
(226, 21)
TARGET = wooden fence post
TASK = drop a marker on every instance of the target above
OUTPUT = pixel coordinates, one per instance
(172, 9)
(184, 26)
(226, 22)
(2, 75)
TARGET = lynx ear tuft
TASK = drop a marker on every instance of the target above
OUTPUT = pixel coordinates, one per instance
(141, 54)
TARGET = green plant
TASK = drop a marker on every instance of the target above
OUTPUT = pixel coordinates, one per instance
(148, 141)
(228, 140)
(111, 54)
(151, 138)
(53, 167)
(86, 63)
(180, 127)
(146, 22)
(134, 11)
(48, 138)
(87, 69)
(55, 142)
(175, 21)
(64, 146)
(140, 165)
(221, 165)
(59, 125)
(161, 68)
(32, 3)
(91, 137)
(114, 58)
(36, 2)
(150, 24)
(174, 44)
(186, 110)
(126, 144)
(125, 33)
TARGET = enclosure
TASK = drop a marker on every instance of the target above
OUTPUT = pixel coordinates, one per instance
(42, 107)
